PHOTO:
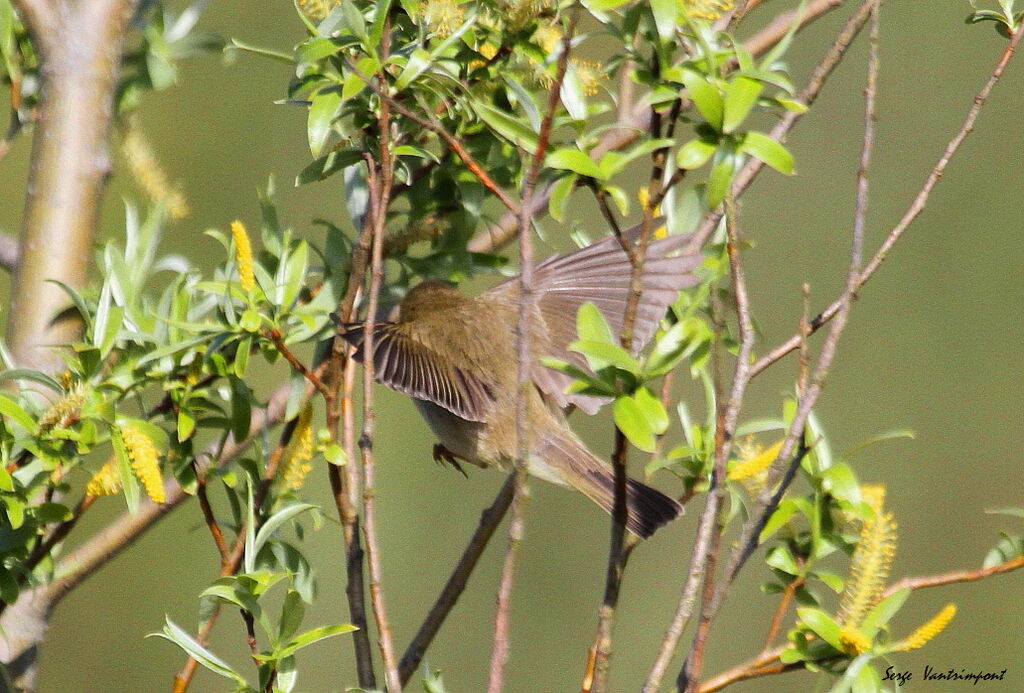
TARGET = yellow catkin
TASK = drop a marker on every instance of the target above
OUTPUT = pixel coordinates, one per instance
(105, 482)
(706, 9)
(869, 569)
(643, 196)
(300, 451)
(316, 10)
(548, 36)
(853, 641)
(150, 175)
(442, 17)
(589, 74)
(929, 630)
(145, 461)
(874, 496)
(65, 410)
(752, 461)
(243, 256)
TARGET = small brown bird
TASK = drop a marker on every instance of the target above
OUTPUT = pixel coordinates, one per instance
(456, 356)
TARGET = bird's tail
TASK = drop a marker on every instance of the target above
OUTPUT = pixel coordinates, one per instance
(563, 456)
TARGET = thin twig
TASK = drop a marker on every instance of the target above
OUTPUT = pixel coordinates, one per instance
(380, 195)
(916, 583)
(453, 143)
(915, 209)
(275, 337)
(209, 517)
(809, 94)
(780, 611)
(499, 649)
(629, 129)
(725, 430)
(490, 518)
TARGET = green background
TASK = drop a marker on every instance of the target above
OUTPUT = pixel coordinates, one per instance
(933, 345)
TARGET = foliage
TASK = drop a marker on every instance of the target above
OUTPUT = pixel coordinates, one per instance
(158, 388)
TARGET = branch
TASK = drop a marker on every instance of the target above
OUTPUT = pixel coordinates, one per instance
(712, 519)
(953, 577)
(633, 120)
(80, 55)
(490, 518)
(915, 209)
(499, 649)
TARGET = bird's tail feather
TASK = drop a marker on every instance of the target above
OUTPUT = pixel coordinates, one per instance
(647, 509)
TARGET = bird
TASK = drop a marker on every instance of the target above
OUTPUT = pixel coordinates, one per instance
(456, 357)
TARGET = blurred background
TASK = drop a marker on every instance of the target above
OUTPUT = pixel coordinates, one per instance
(934, 346)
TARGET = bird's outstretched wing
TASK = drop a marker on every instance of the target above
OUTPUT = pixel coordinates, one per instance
(406, 365)
(600, 274)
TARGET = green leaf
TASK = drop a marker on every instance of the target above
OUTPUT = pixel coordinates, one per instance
(560, 193)
(380, 15)
(591, 325)
(419, 61)
(312, 636)
(705, 97)
(664, 12)
(781, 558)
(787, 508)
(601, 354)
(760, 146)
(276, 520)
(630, 419)
(576, 161)
(883, 612)
(12, 410)
(179, 637)
(652, 409)
(840, 481)
(719, 182)
(292, 613)
(822, 624)
(31, 375)
(695, 153)
(241, 407)
(506, 126)
(325, 166)
(129, 485)
(1011, 546)
(740, 97)
(322, 112)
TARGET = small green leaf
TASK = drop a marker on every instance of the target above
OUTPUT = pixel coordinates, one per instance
(576, 161)
(630, 419)
(653, 410)
(695, 153)
(781, 558)
(179, 637)
(419, 61)
(12, 410)
(719, 182)
(591, 325)
(322, 112)
(560, 193)
(822, 624)
(276, 520)
(706, 97)
(760, 146)
(312, 636)
(664, 12)
(292, 613)
(601, 354)
(883, 611)
(740, 97)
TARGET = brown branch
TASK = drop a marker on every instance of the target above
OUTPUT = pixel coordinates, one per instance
(209, 517)
(345, 484)
(499, 649)
(490, 518)
(633, 121)
(809, 94)
(58, 535)
(777, 29)
(275, 337)
(780, 611)
(380, 196)
(80, 48)
(955, 576)
(713, 517)
(453, 143)
(915, 209)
